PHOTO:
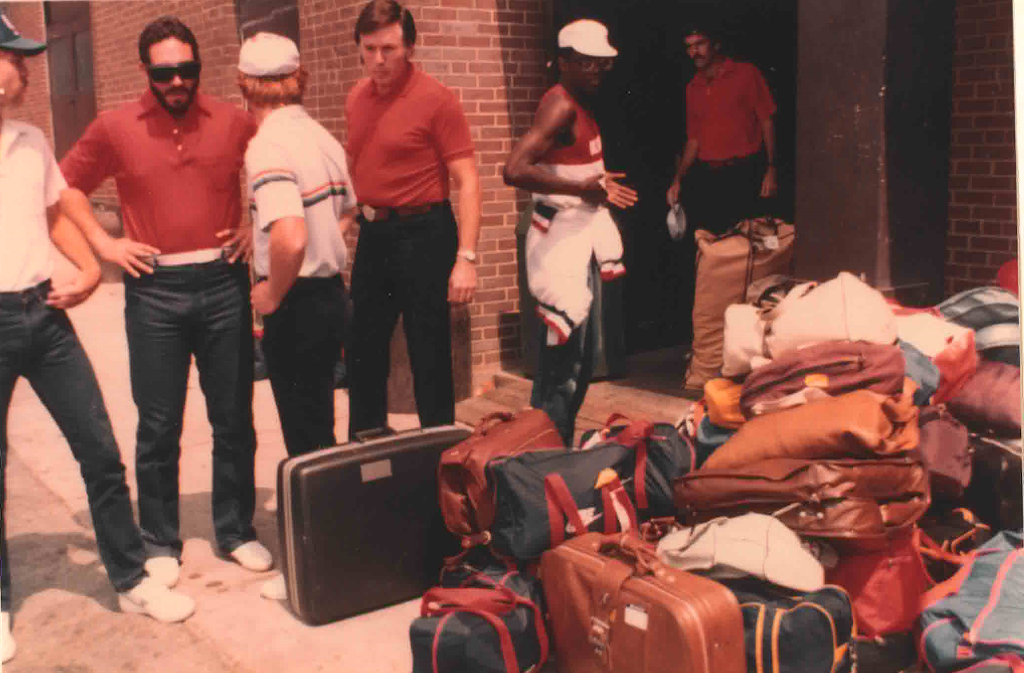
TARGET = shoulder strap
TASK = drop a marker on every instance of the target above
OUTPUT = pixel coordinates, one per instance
(560, 503)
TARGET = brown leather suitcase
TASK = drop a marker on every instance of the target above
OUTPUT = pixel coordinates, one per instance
(853, 498)
(615, 608)
(466, 500)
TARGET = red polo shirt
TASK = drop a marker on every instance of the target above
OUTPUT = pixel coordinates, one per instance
(399, 144)
(178, 179)
(725, 113)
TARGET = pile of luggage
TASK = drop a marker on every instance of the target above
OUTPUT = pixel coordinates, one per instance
(847, 498)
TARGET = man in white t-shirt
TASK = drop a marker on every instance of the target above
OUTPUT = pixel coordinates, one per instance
(38, 342)
(301, 202)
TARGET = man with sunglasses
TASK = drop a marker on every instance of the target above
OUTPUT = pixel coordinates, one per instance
(561, 160)
(176, 156)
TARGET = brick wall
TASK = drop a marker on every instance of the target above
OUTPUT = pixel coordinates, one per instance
(28, 19)
(982, 232)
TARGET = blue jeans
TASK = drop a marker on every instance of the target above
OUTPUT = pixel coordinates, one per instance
(563, 376)
(39, 343)
(177, 312)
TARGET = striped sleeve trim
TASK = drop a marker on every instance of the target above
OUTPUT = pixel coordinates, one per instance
(272, 175)
(324, 191)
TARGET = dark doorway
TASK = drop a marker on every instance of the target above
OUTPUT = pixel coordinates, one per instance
(641, 113)
(69, 56)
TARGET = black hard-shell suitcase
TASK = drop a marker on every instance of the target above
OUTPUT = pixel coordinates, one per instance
(359, 523)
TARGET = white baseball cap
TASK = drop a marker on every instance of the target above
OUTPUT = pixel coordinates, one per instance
(587, 37)
(268, 55)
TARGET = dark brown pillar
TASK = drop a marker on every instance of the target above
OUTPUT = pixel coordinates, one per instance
(874, 85)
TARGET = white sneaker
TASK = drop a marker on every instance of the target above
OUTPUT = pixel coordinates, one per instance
(164, 569)
(149, 597)
(253, 556)
(274, 589)
(7, 644)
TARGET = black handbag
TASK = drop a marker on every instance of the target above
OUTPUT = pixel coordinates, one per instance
(545, 497)
(493, 622)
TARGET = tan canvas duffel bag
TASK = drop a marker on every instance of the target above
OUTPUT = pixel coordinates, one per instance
(726, 265)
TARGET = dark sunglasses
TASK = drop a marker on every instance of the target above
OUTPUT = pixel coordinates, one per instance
(165, 73)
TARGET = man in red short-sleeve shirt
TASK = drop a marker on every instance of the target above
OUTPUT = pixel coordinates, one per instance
(406, 135)
(175, 156)
(729, 157)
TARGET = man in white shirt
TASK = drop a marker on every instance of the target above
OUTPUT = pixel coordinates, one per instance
(38, 342)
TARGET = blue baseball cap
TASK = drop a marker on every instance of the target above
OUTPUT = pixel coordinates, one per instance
(11, 39)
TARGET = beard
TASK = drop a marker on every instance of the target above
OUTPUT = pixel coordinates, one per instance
(176, 109)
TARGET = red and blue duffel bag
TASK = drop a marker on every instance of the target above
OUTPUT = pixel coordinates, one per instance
(975, 620)
(543, 498)
(493, 622)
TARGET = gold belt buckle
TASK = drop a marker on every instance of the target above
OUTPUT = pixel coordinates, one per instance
(369, 213)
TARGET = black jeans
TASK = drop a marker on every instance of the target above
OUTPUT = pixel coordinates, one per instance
(563, 376)
(721, 196)
(302, 340)
(39, 343)
(402, 266)
(177, 312)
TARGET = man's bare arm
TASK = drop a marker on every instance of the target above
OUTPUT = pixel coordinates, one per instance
(130, 255)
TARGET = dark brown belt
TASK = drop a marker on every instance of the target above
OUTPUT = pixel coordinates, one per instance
(382, 213)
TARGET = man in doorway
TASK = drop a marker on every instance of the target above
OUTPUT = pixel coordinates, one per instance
(176, 156)
(406, 134)
(38, 342)
(729, 157)
(561, 160)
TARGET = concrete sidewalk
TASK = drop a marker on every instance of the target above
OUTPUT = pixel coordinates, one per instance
(65, 611)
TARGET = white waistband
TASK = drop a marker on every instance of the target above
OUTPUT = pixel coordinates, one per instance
(192, 257)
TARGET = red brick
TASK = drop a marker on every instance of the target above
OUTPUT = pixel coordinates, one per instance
(993, 213)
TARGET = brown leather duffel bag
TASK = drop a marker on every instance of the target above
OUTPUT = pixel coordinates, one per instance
(614, 606)
(858, 424)
(467, 503)
(855, 498)
(836, 367)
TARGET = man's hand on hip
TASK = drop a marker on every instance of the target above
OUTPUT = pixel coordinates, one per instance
(130, 255)
(81, 287)
(462, 282)
(238, 241)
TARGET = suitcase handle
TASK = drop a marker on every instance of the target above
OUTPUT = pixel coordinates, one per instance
(485, 603)
(492, 419)
(373, 433)
(644, 558)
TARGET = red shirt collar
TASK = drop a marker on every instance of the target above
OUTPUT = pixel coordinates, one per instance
(200, 104)
(725, 68)
(401, 86)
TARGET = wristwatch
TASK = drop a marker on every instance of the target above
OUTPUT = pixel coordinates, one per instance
(467, 255)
